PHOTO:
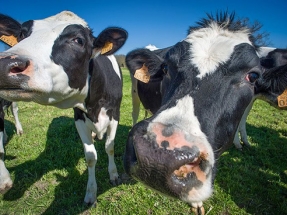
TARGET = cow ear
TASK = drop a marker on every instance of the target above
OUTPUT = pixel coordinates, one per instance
(143, 63)
(9, 30)
(110, 40)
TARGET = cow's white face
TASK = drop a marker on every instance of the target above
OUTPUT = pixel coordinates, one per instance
(50, 64)
(45, 76)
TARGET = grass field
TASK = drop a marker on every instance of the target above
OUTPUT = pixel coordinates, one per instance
(49, 172)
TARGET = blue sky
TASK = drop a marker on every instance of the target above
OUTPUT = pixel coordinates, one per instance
(158, 22)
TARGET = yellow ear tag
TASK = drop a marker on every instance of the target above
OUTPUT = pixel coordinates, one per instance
(107, 47)
(10, 40)
(142, 74)
(282, 99)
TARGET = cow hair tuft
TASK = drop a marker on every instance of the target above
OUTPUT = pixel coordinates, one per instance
(228, 21)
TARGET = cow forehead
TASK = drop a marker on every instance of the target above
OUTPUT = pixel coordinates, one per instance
(55, 24)
(65, 17)
(213, 45)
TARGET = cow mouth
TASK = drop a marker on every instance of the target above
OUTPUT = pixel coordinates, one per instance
(191, 167)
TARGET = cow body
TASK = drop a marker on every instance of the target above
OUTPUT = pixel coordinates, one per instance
(58, 62)
(209, 79)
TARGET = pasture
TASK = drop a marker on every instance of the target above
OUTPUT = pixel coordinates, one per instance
(49, 172)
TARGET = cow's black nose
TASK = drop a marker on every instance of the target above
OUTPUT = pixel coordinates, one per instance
(13, 64)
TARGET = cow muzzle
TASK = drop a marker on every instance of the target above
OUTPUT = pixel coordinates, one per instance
(168, 160)
(14, 72)
(12, 64)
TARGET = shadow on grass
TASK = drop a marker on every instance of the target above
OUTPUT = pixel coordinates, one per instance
(62, 152)
(256, 178)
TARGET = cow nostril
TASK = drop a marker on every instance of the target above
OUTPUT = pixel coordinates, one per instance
(16, 70)
(18, 67)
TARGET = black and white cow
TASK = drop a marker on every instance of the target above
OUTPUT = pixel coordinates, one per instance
(148, 93)
(209, 79)
(58, 62)
(275, 60)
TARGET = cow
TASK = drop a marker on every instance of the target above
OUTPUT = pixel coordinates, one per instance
(272, 59)
(148, 93)
(208, 80)
(57, 61)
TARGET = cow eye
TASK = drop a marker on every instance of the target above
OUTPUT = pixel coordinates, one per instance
(252, 77)
(80, 41)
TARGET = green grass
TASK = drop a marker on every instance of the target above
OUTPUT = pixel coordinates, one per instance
(49, 172)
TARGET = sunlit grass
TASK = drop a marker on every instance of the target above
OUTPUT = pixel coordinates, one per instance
(49, 171)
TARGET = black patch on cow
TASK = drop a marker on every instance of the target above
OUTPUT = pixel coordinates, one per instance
(168, 131)
(164, 144)
(79, 114)
(191, 181)
(105, 89)
(150, 95)
(75, 45)
(9, 26)
(26, 30)
(194, 150)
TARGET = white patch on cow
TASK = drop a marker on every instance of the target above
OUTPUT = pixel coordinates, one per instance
(212, 46)
(151, 47)
(102, 124)
(5, 180)
(115, 64)
(66, 17)
(183, 118)
(264, 51)
(45, 75)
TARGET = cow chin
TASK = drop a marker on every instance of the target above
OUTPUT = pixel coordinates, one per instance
(162, 158)
(17, 95)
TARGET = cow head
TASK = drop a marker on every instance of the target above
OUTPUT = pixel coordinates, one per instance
(209, 79)
(49, 60)
(274, 81)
